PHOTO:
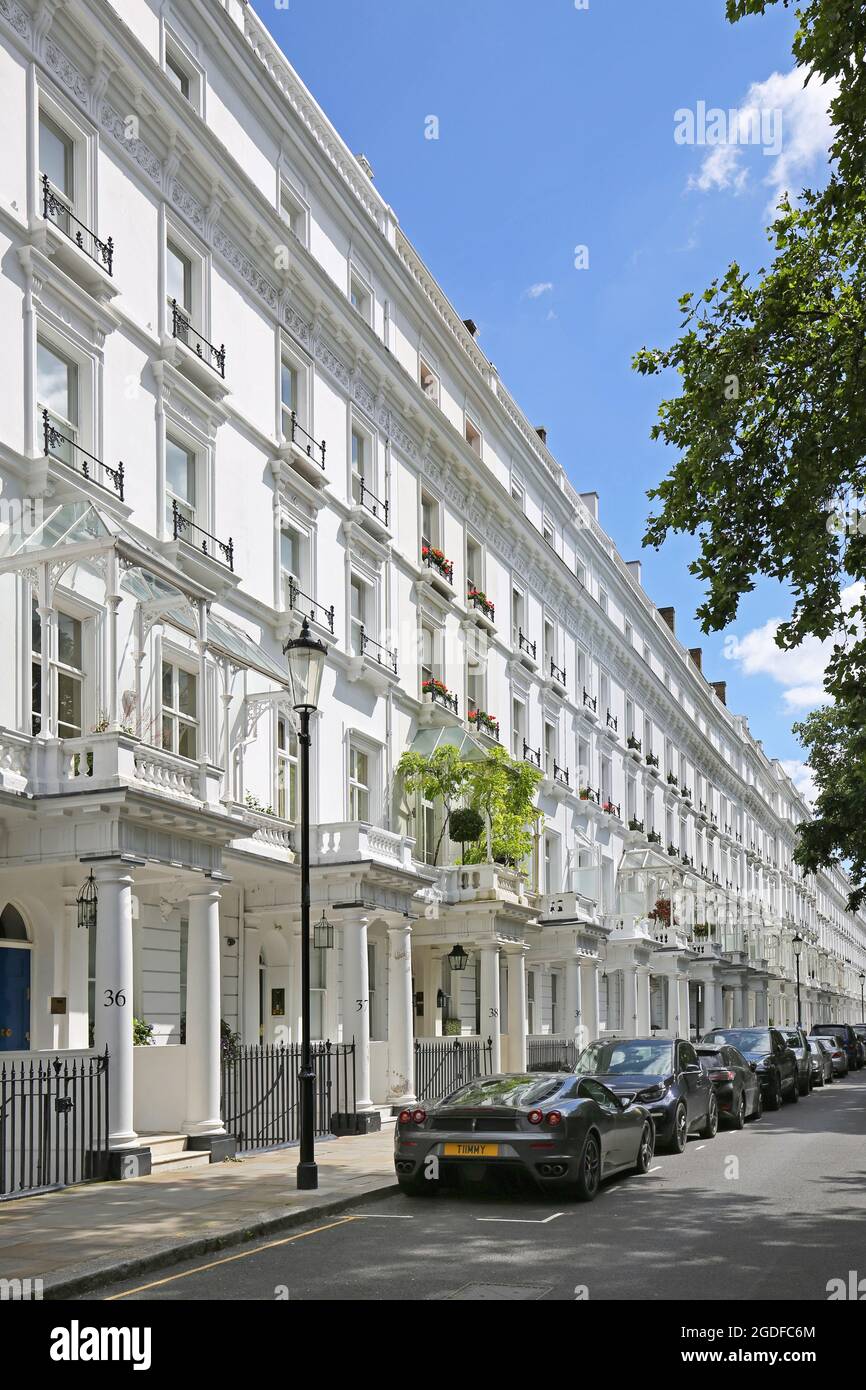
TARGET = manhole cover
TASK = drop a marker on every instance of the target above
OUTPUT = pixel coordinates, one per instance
(499, 1293)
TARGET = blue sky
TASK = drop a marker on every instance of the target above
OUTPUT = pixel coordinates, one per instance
(556, 130)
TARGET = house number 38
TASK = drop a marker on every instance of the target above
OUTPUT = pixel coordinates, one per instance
(115, 996)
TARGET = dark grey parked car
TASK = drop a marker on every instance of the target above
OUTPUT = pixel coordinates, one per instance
(564, 1132)
(663, 1074)
(773, 1060)
(799, 1045)
(737, 1088)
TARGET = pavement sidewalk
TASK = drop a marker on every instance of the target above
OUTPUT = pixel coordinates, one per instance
(84, 1237)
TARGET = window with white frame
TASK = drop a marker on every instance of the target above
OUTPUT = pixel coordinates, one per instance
(518, 493)
(547, 531)
(549, 747)
(584, 763)
(474, 565)
(360, 295)
(429, 381)
(58, 392)
(476, 682)
(554, 1002)
(289, 395)
(180, 481)
(318, 992)
(362, 613)
(473, 436)
(287, 770)
(179, 710)
(57, 162)
(552, 879)
(430, 521)
(180, 282)
(518, 727)
(518, 616)
(530, 1002)
(67, 674)
(603, 600)
(294, 211)
(364, 480)
(183, 72)
(360, 783)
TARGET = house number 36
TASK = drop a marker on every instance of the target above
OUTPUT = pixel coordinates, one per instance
(115, 996)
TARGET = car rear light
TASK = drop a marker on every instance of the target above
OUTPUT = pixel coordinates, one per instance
(405, 1117)
(722, 1075)
(535, 1117)
(412, 1117)
(554, 1117)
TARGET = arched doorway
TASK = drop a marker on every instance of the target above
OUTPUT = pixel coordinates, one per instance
(14, 981)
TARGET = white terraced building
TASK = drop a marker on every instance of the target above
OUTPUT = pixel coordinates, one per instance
(234, 396)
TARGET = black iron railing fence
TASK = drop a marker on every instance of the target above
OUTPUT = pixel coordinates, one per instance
(376, 506)
(182, 329)
(185, 529)
(56, 209)
(550, 1054)
(261, 1091)
(303, 603)
(385, 656)
(58, 445)
(313, 448)
(443, 1064)
(53, 1122)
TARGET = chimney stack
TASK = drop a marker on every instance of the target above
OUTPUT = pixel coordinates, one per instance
(590, 501)
(472, 326)
(365, 165)
(541, 431)
(697, 656)
(669, 616)
(635, 569)
(721, 689)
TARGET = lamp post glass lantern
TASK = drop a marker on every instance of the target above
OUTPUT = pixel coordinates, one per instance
(306, 661)
(323, 934)
(458, 958)
(86, 902)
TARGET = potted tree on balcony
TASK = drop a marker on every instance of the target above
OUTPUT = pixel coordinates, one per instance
(467, 825)
(438, 777)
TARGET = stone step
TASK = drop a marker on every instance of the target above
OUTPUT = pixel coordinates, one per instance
(163, 1143)
(176, 1162)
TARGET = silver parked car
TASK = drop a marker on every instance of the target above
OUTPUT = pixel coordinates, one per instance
(836, 1050)
(822, 1063)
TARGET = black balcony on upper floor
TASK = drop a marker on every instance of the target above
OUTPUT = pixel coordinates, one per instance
(183, 331)
(56, 210)
(60, 446)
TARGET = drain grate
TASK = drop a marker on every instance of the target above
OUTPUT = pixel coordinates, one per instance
(499, 1293)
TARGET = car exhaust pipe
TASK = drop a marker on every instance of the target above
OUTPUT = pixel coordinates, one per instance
(404, 1165)
(553, 1170)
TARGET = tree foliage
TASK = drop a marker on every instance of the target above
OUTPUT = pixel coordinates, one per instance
(437, 776)
(770, 428)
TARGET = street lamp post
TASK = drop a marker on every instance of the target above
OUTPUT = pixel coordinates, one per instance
(797, 944)
(862, 1009)
(306, 661)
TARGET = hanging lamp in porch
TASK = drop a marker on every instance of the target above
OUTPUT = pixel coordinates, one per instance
(86, 902)
(323, 934)
(458, 958)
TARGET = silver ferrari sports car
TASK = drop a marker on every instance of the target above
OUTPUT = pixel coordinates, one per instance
(565, 1133)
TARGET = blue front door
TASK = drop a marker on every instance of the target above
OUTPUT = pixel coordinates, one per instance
(14, 1000)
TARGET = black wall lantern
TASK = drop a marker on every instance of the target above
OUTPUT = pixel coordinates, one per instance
(323, 934)
(86, 901)
(457, 958)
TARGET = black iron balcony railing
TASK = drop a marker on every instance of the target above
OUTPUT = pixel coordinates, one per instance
(588, 794)
(59, 446)
(612, 808)
(311, 447)
(524, 643)
(556, 672)
(182, 329)
(487, 723)
(673, 851)
(531, 755)
(612, 721)
(303, 603)
(55, 209)
(185, 529)
(440, 694)
(686, 793)
(480, 601)
(561, 775)
(383, 655)
(654, 837)
(635, 824)
(652, 760)
(673, 779)
(373, 504)
(435, 559)
(590, 701)
(634, 743)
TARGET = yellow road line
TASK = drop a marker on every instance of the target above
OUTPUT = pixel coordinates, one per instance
(227, 1259)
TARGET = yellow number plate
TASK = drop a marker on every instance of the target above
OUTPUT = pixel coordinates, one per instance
(471, 1151)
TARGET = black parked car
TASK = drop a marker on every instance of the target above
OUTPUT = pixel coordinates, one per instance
(773, 1060)
(737, 1088)
(846, 1035)
(860, 1030)
(664, 1076)
(799, 1045)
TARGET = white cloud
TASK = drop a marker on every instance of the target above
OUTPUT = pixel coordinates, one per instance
(806, 135)
(800, 671)
(536, 291)
(802, 776)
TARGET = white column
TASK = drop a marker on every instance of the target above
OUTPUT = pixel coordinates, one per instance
(674, 1027)
(629, 1000)
(77, 1006)
(203, 1013)
(643, 999)
(715, 1009)
(573, 1017)
(252, 1021)
(589, 1003)
(356, 1005)
(112, 603)
(517, 1010)
(295, 1019)
(490, 1005)
(46, 638)
(113, 1022)
(401, 1053)
(683, 991)
(739, 1007)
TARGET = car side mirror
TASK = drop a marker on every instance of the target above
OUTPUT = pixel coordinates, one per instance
(753, 1066)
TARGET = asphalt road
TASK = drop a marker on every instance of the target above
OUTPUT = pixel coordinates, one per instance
(772, 1212)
